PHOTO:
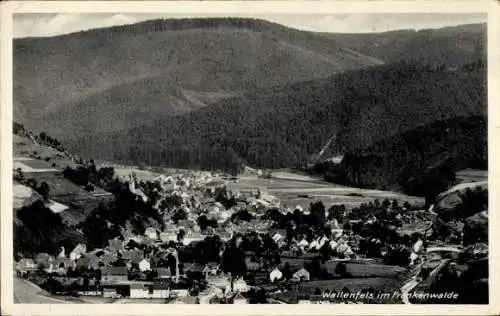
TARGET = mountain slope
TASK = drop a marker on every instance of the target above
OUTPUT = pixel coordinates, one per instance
(134, 74)
(282, 128)
(447, 47)
(144, 68)
(421, 161)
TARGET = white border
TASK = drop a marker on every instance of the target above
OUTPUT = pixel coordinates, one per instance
(229, 8)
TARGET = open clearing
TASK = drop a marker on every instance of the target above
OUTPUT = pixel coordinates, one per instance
(297, 192)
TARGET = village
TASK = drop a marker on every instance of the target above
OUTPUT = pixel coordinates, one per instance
(219, 246)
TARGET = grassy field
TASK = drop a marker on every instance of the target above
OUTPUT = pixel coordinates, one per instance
(294, 192)
(60, 187)
(79, 201)
(367, 269)
(472, 175)
(357, 269)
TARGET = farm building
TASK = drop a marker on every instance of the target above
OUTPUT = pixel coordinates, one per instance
(114, 274)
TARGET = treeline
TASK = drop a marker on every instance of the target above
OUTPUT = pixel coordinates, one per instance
(88, 175)
(42, 230)
(42, 138)
(420, 162)
(282, 128)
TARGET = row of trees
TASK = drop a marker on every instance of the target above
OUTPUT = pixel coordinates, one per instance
(420, 162)
(43, 189)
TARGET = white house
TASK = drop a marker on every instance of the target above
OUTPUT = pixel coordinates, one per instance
(413, 257)
(144, 265)
(149, 291)
(275, 275)
(240, 286)
(278, 237)
(151, 233)
(77, 253)
(239, 299)
(333, 244)
(301, 275)
(303, 244)
(313, 244)
(179, 293)
(418, 246)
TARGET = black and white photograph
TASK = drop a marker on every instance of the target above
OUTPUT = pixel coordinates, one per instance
(250, 158)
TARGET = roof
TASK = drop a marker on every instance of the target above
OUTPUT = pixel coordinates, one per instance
(115, 245)
(114, 270)
(163, 271)
(195, 267)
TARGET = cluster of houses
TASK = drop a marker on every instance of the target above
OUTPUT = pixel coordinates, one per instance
(136, 272)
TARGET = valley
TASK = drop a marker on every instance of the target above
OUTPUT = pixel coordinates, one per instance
(236, 160)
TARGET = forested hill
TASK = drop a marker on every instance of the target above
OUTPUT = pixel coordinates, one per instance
(420, 162)
(282, 128)
(133, 74)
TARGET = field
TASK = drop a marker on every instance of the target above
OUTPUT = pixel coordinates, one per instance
(66, 193)
(472, 175)
(357, 269)
(299, 192)
(61, 188)
(23, 147)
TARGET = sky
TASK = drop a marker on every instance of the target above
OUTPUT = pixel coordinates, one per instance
(51, 24)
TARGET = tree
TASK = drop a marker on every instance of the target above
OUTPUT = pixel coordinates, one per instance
(19, 176)
(179, 214)
(180, 235)
(318, 214)
(32, 183)
(386, 203)
(337, 212)
(341, 269)
(44, 190)
(233, 261)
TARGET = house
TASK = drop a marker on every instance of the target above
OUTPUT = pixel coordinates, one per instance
(115, 245)
(78, 252)
(303, 244)
(144, 265)
(179, 293)
(240, 286)
(164, 273)
(275, 275)
(219, 281)
(26, 265)
(279, 236)
(116, 290)
(141, 289)
(134, 256)
(239, 299)
(65, 264)
(112, 275)
(301, 275)
(192, 237)
(44, 259)
(109, 292)
(167, 236)
(149, 290)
